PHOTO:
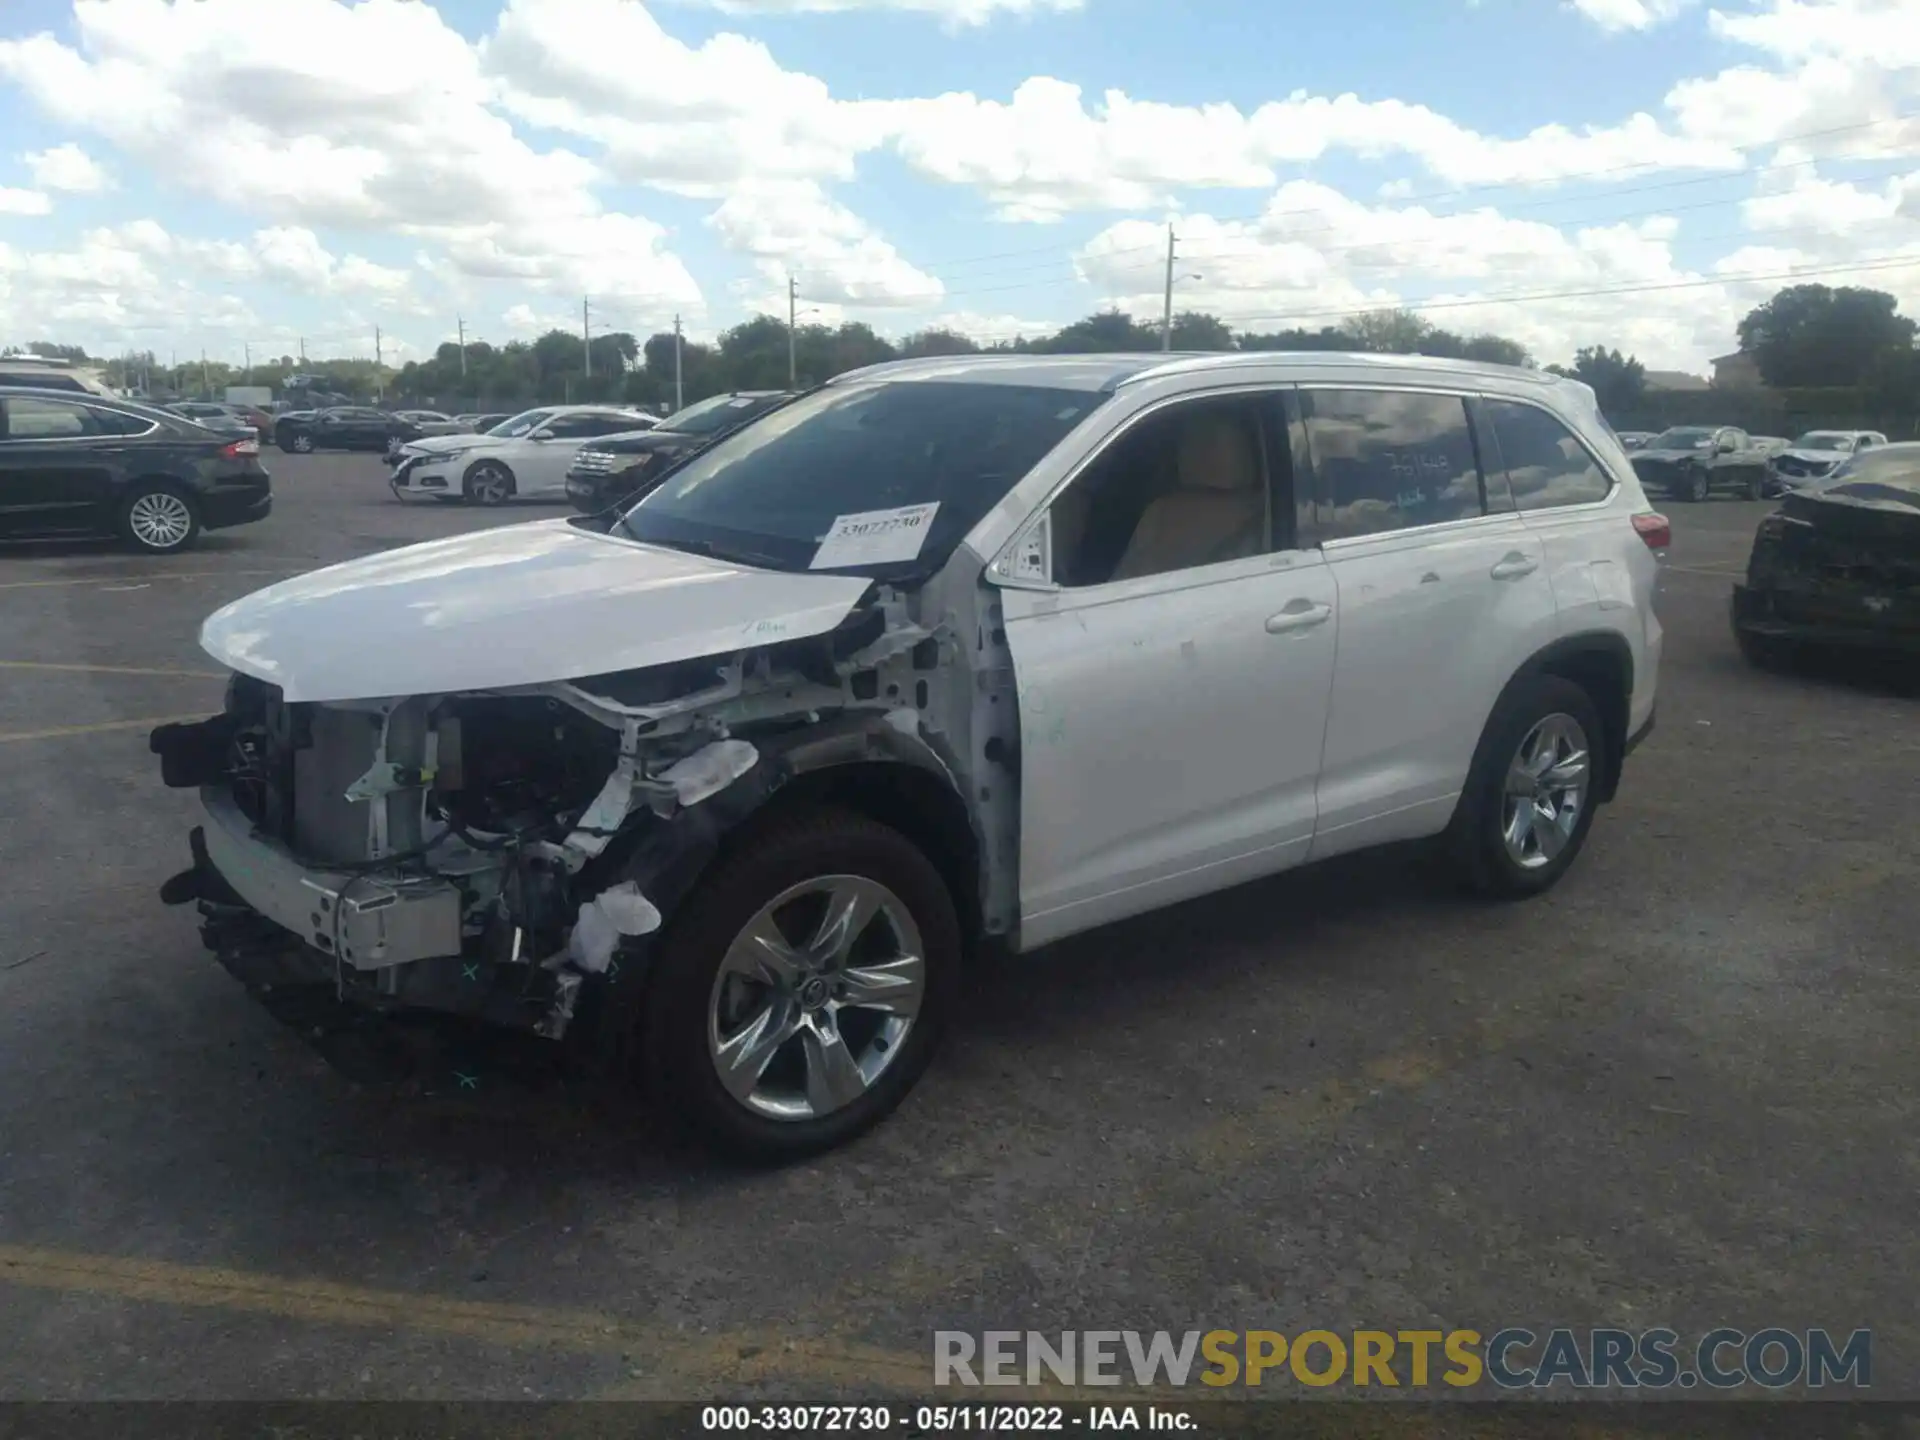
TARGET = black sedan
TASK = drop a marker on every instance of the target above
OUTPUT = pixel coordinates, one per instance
(73, 465)
(1838, 564)
(342, 427)
(622, 468)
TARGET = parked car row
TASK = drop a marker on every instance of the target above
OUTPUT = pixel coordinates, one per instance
(595, 456)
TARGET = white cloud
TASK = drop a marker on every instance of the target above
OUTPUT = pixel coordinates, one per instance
(1616, 15)
(953, 12)
(66, 167)
(24, 202)
(794, 228)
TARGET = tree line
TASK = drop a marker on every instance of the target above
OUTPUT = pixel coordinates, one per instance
(1853, 344)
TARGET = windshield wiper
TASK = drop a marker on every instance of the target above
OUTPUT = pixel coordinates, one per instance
(708, 548)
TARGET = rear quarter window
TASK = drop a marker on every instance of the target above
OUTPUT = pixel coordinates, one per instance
(1546, 464)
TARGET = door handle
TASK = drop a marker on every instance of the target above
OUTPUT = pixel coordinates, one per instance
(1299, 615)
(1513, 566)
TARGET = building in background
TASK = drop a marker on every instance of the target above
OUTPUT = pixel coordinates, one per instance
(1738, 371)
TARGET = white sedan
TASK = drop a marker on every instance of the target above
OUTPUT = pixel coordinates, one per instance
(526, 457)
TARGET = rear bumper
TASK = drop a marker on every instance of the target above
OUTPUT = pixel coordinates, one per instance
(1773, 615)
(220, 509)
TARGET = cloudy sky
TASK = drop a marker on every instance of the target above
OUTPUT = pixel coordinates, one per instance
(189, 174)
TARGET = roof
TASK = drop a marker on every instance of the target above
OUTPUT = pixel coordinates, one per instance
(1110, 371)
(1736, 355)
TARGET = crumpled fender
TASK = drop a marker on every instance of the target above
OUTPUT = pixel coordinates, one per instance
(667, 859)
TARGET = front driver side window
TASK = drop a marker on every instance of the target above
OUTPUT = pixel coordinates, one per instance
(1183, 488)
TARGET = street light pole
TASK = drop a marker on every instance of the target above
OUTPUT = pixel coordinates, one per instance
(1166, 314)
(679, 401)
(793, 361)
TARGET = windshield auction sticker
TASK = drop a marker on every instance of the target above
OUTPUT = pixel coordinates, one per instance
(875, 537)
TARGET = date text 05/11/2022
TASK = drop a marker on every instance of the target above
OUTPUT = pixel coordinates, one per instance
(941, 1419)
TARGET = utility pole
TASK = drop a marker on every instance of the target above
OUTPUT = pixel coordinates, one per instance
(205, 383)
(586, 337)
(1166, 314)
(249, 349)
(678, 401)
(793, 354)
(378, 354)
(461, 321)
(303, 352)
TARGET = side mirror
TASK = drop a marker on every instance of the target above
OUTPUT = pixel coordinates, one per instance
(541, 434)
(1727, 445)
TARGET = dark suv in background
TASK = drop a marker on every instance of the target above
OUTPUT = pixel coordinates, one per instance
(341, 427)
(76, 465)
(622, 468)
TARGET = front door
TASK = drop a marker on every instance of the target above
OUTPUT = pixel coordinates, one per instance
(1172, 674)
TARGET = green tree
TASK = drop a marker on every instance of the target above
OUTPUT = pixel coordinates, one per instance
(1810, 335)
(1108, 331)
(936, 342)
(1388, 332)
(1325, 338)
(1618, 380)
(1193, 330)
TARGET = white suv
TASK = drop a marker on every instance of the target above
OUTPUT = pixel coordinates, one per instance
(525, 458)
(946, 651)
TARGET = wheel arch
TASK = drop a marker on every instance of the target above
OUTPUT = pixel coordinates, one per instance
(1601, 663)
(860, 764)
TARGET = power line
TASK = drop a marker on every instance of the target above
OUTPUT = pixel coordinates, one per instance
(1492, 187)
(1890, 262)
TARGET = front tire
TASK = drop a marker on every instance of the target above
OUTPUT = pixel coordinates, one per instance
(159, 519)
(802, 990)
(1530, 794)
(488, 483)
(1697, 484)
(301, 444)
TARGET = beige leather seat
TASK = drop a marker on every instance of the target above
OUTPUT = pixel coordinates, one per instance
(1218, 510)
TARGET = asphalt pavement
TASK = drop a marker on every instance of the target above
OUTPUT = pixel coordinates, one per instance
(1678, 1090)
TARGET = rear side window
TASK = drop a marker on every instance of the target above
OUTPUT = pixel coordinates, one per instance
(1545, 464)
(119, 422)
(31, 418)
(1390, 460)
(37, 381)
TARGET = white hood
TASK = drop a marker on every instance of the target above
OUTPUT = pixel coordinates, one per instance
(1819, 457)
(519, 605)
(445, 444)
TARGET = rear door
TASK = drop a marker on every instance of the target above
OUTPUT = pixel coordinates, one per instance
(543, 472)
(1443, 592)
(57, 464)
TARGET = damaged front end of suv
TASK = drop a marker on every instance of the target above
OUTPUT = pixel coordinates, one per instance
(508, 854)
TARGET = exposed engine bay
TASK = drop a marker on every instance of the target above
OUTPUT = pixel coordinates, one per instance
(488, 854)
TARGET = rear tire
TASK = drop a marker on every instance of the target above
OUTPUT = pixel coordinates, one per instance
(686, 1012)
(159, 518)
(488, 483)
(1500, 802)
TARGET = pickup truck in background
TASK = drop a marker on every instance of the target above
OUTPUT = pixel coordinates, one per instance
(1690, 462)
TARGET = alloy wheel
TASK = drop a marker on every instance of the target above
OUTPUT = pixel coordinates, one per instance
(1546, 791)
(815, 997)
(160, 520)
(489, 485)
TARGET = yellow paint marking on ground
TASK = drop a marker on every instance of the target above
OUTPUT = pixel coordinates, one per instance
(140, 579)
(110, 669)
(1733, 574)
(100, 728)
(663, 1354)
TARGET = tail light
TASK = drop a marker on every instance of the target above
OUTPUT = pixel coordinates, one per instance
(239, 448)
(1653, 529)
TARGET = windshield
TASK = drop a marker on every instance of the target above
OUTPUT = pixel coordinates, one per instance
(1824, 440)
(1683, 437)
(945, 452)
(709, 417)
(521, 424)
